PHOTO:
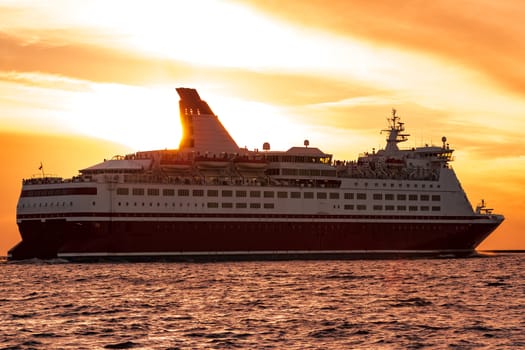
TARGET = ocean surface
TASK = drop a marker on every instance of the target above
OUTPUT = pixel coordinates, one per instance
(470, 303)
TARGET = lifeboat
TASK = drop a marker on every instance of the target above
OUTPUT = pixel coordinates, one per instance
(175, 164)
(250, 163)
(207, 162)
(393, 162)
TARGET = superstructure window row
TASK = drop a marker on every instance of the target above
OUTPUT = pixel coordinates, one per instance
(251, 194)
(302, 172)
(59, 192)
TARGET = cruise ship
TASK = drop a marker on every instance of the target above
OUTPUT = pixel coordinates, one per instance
(212, 200)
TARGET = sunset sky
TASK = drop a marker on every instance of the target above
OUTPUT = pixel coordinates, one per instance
(84, 80)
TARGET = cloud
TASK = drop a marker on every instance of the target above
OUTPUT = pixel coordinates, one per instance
(483, 35)
(48, 81)
(81, 61)
(90, 62)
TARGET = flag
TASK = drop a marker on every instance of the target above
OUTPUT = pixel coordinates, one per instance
(40, 167)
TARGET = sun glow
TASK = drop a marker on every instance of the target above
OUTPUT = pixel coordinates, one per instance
(141, 118)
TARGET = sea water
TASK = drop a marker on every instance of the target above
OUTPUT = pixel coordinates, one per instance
(358, 304)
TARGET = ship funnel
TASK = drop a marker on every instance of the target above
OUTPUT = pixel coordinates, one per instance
(201, 129)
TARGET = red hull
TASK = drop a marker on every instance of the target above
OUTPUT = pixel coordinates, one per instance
(213, 238)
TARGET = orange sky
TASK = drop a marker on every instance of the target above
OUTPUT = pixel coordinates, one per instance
(74, 73)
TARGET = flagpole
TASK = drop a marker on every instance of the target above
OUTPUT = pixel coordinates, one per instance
(41, 168)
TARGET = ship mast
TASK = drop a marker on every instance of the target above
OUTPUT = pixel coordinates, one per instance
(395, 133)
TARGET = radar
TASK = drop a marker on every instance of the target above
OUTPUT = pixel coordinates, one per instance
(306, 143)
(266, 146)
(444, 140)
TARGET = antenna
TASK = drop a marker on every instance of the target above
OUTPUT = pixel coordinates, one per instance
(41, 168)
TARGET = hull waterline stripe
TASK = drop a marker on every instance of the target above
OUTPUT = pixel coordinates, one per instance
(261, 252)
(157, 216)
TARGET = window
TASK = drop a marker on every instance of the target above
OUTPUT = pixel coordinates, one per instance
(268, 205)
(268, 194)
(198, 193)
(334, 195)
(122, 191)
(424, 197)
(227, 193)
(255, 194)
(349, 196)
(349, 207)
(377, 196)
(282, 194)
(412, 208)
(138, 191)
(321, 195)
(389, 207)
(295, 195)
(378, 207)
(436, 198)
(153, 191)
(328, 173)
(401, 207)
(255, 205)
(213, 205)
(213, 193)
(168, 192)
(240, 205)
(361, 196)
(424, 208)
(184, 193)
(401, 197)
(308, 195)
(227, 205)
(361, 207)
(389, 197)
(412, 197)
(436, 208)
(240, 193)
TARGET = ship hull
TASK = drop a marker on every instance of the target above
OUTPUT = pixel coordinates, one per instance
(214, 239)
